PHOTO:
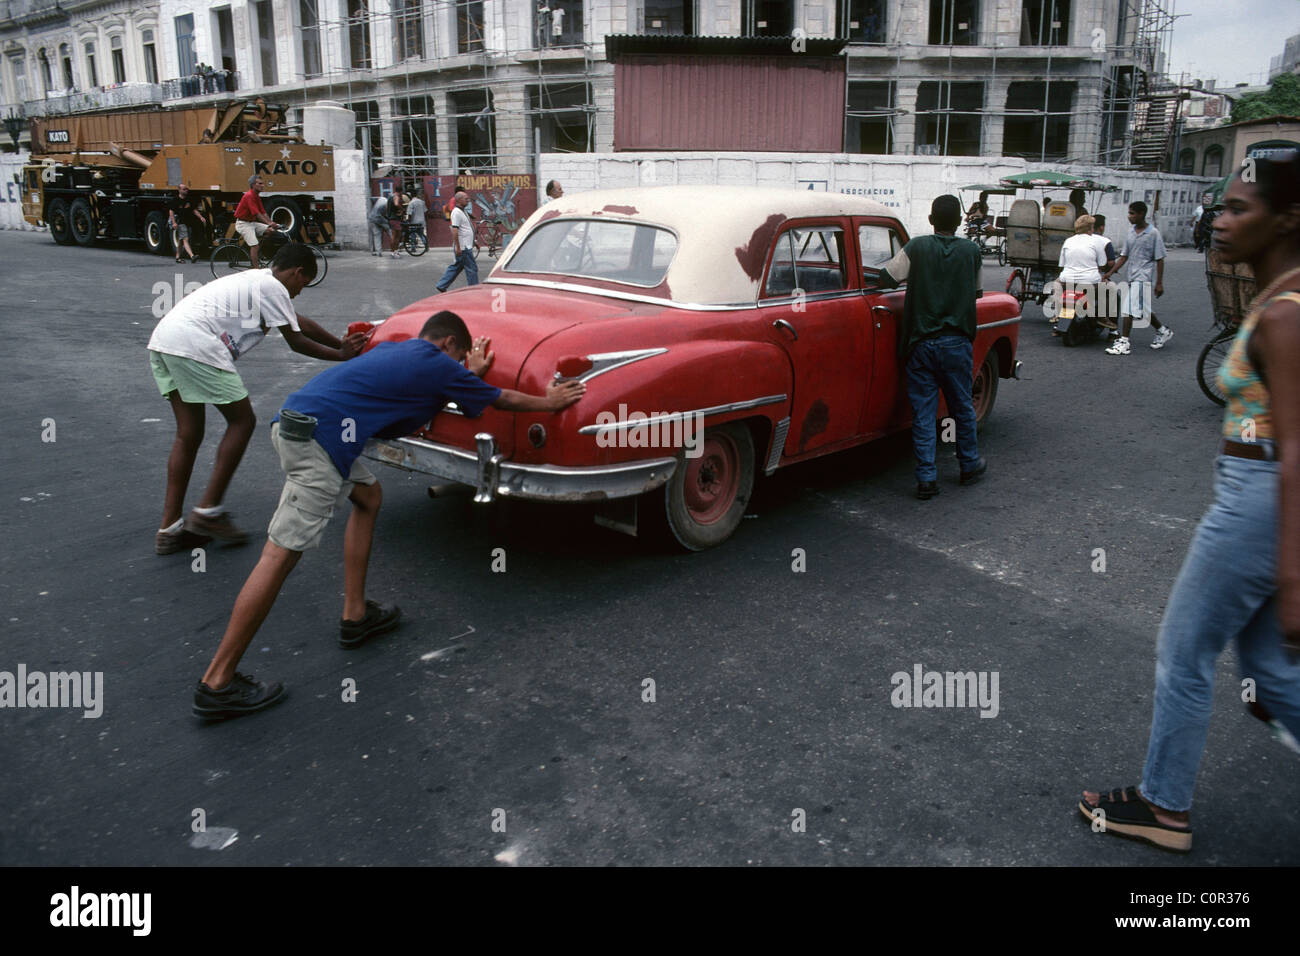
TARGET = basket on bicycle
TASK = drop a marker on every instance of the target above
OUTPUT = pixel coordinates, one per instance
(1232, 287)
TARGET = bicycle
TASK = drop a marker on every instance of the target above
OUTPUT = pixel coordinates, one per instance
(1212, 358)
(414, 240)
(490, 233)
(230, 254)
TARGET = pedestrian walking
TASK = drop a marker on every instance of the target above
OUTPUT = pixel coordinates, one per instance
(1144, 255)
(192, 353)
(1240, 580)
(462, 245)
(936, 339)
(391, 390)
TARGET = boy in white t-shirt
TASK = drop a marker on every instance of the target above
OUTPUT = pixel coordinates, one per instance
(192, 353)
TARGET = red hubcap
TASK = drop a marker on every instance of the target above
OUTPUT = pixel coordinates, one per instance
(712, 480)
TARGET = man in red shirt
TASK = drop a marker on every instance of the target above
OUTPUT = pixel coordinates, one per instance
(251, 220)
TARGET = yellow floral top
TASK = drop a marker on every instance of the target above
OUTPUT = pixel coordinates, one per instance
(1246, 394)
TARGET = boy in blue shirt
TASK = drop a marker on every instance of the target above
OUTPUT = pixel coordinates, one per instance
(390, 391)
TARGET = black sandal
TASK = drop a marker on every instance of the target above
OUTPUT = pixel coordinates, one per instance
(1125, 813)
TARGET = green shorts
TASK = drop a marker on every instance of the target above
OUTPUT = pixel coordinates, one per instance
(197, 382)
(313, 488)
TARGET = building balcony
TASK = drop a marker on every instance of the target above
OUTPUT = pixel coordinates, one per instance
(64, 102)
(201, 84)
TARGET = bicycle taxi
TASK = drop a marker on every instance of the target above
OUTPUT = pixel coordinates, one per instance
(987, 229)
(1036, 230)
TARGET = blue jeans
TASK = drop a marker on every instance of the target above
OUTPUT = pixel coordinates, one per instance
(464, 261)
(1226, 589)
(946, 363)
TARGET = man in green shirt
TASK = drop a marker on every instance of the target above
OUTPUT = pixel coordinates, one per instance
(936, 338)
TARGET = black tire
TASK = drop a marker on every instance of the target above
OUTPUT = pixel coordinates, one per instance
(705, 500)
(227, 258)
(286, 214)
(82, 219)
(1016, 286)
(1002, 254)
(416, 243)
(984, 389)
(322, 265)
(157, 233)
(1208, 364)
(60, 222)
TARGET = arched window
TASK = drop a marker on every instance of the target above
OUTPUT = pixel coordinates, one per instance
(1187, 162)
(43, 59)
(119, 61)
(65, 59)
(1212, 164)
(150, 56)
(92, 72)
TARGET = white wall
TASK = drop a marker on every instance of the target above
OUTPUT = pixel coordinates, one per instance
(907, 184)
(351, 199)
(11, 209)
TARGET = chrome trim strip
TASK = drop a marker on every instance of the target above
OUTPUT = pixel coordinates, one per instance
(778, 444)
(993, 325)
(616, 360)
(616, 294)
(671, 417)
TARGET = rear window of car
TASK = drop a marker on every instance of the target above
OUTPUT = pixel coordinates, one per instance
(614, 251)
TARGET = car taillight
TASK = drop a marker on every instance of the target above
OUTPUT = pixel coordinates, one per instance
(571, 366)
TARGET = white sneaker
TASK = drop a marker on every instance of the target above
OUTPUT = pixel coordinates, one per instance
(1163, 336)
(1120, 347)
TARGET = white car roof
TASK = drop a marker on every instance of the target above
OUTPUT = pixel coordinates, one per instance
(717, 227)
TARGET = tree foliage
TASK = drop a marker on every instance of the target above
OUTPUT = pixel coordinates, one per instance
(1281, 99)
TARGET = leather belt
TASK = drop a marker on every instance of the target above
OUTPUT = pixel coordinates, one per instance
(1255, 451)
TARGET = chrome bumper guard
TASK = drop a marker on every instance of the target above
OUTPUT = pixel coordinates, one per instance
(492, 475)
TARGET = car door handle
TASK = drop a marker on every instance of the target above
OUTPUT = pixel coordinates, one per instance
(783, 324)
(881, 308)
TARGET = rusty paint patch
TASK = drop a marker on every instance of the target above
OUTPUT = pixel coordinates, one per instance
(622, 210)
(753, 253)
(814, 423)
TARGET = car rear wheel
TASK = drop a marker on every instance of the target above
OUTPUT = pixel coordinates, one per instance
(984, 390)
(157, 235)
(83, 222)
(705, 500)
(60, 223)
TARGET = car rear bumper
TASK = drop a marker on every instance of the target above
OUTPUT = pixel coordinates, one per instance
(491, 475)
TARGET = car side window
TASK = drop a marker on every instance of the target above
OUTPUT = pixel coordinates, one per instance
(877, 245)
(780, 275)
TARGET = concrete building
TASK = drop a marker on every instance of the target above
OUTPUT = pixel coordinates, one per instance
(443, 86)
(64, 56)
(1288, 61)
(1218, 151)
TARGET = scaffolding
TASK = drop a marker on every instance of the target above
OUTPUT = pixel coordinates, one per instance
(449, 66)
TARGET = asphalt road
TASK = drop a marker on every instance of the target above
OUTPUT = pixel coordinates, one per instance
(772, 687)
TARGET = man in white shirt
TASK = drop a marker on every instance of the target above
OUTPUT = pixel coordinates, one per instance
(557, 22)
(192, 353)
(1081, 260)
(462, 245)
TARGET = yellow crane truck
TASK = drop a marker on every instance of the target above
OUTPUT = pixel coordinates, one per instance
(111, 175)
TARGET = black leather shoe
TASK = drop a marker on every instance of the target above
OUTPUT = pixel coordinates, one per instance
(925, 490)
(971, 477)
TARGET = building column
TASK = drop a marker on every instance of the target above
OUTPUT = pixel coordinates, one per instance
(248, 60)
(445, 132)
(511, 131)
(993, 130)
(382, 35)
(288, 40)
(1085, 124)
(905, 95)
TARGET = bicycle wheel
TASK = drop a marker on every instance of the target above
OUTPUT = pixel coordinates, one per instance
(322, 265)
(228, 257)
(416, 243)
(1211, 360)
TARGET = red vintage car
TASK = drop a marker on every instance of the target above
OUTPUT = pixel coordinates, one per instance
(721, 331)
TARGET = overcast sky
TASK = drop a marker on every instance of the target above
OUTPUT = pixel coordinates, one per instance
(1230, 40)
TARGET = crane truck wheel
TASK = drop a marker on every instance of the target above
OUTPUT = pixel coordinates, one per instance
(60, 223)
(157, 234)
(83, 222)
(286, 214)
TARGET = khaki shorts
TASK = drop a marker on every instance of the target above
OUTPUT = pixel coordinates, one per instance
(196, 382)
(250, 232)
(313, 488)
